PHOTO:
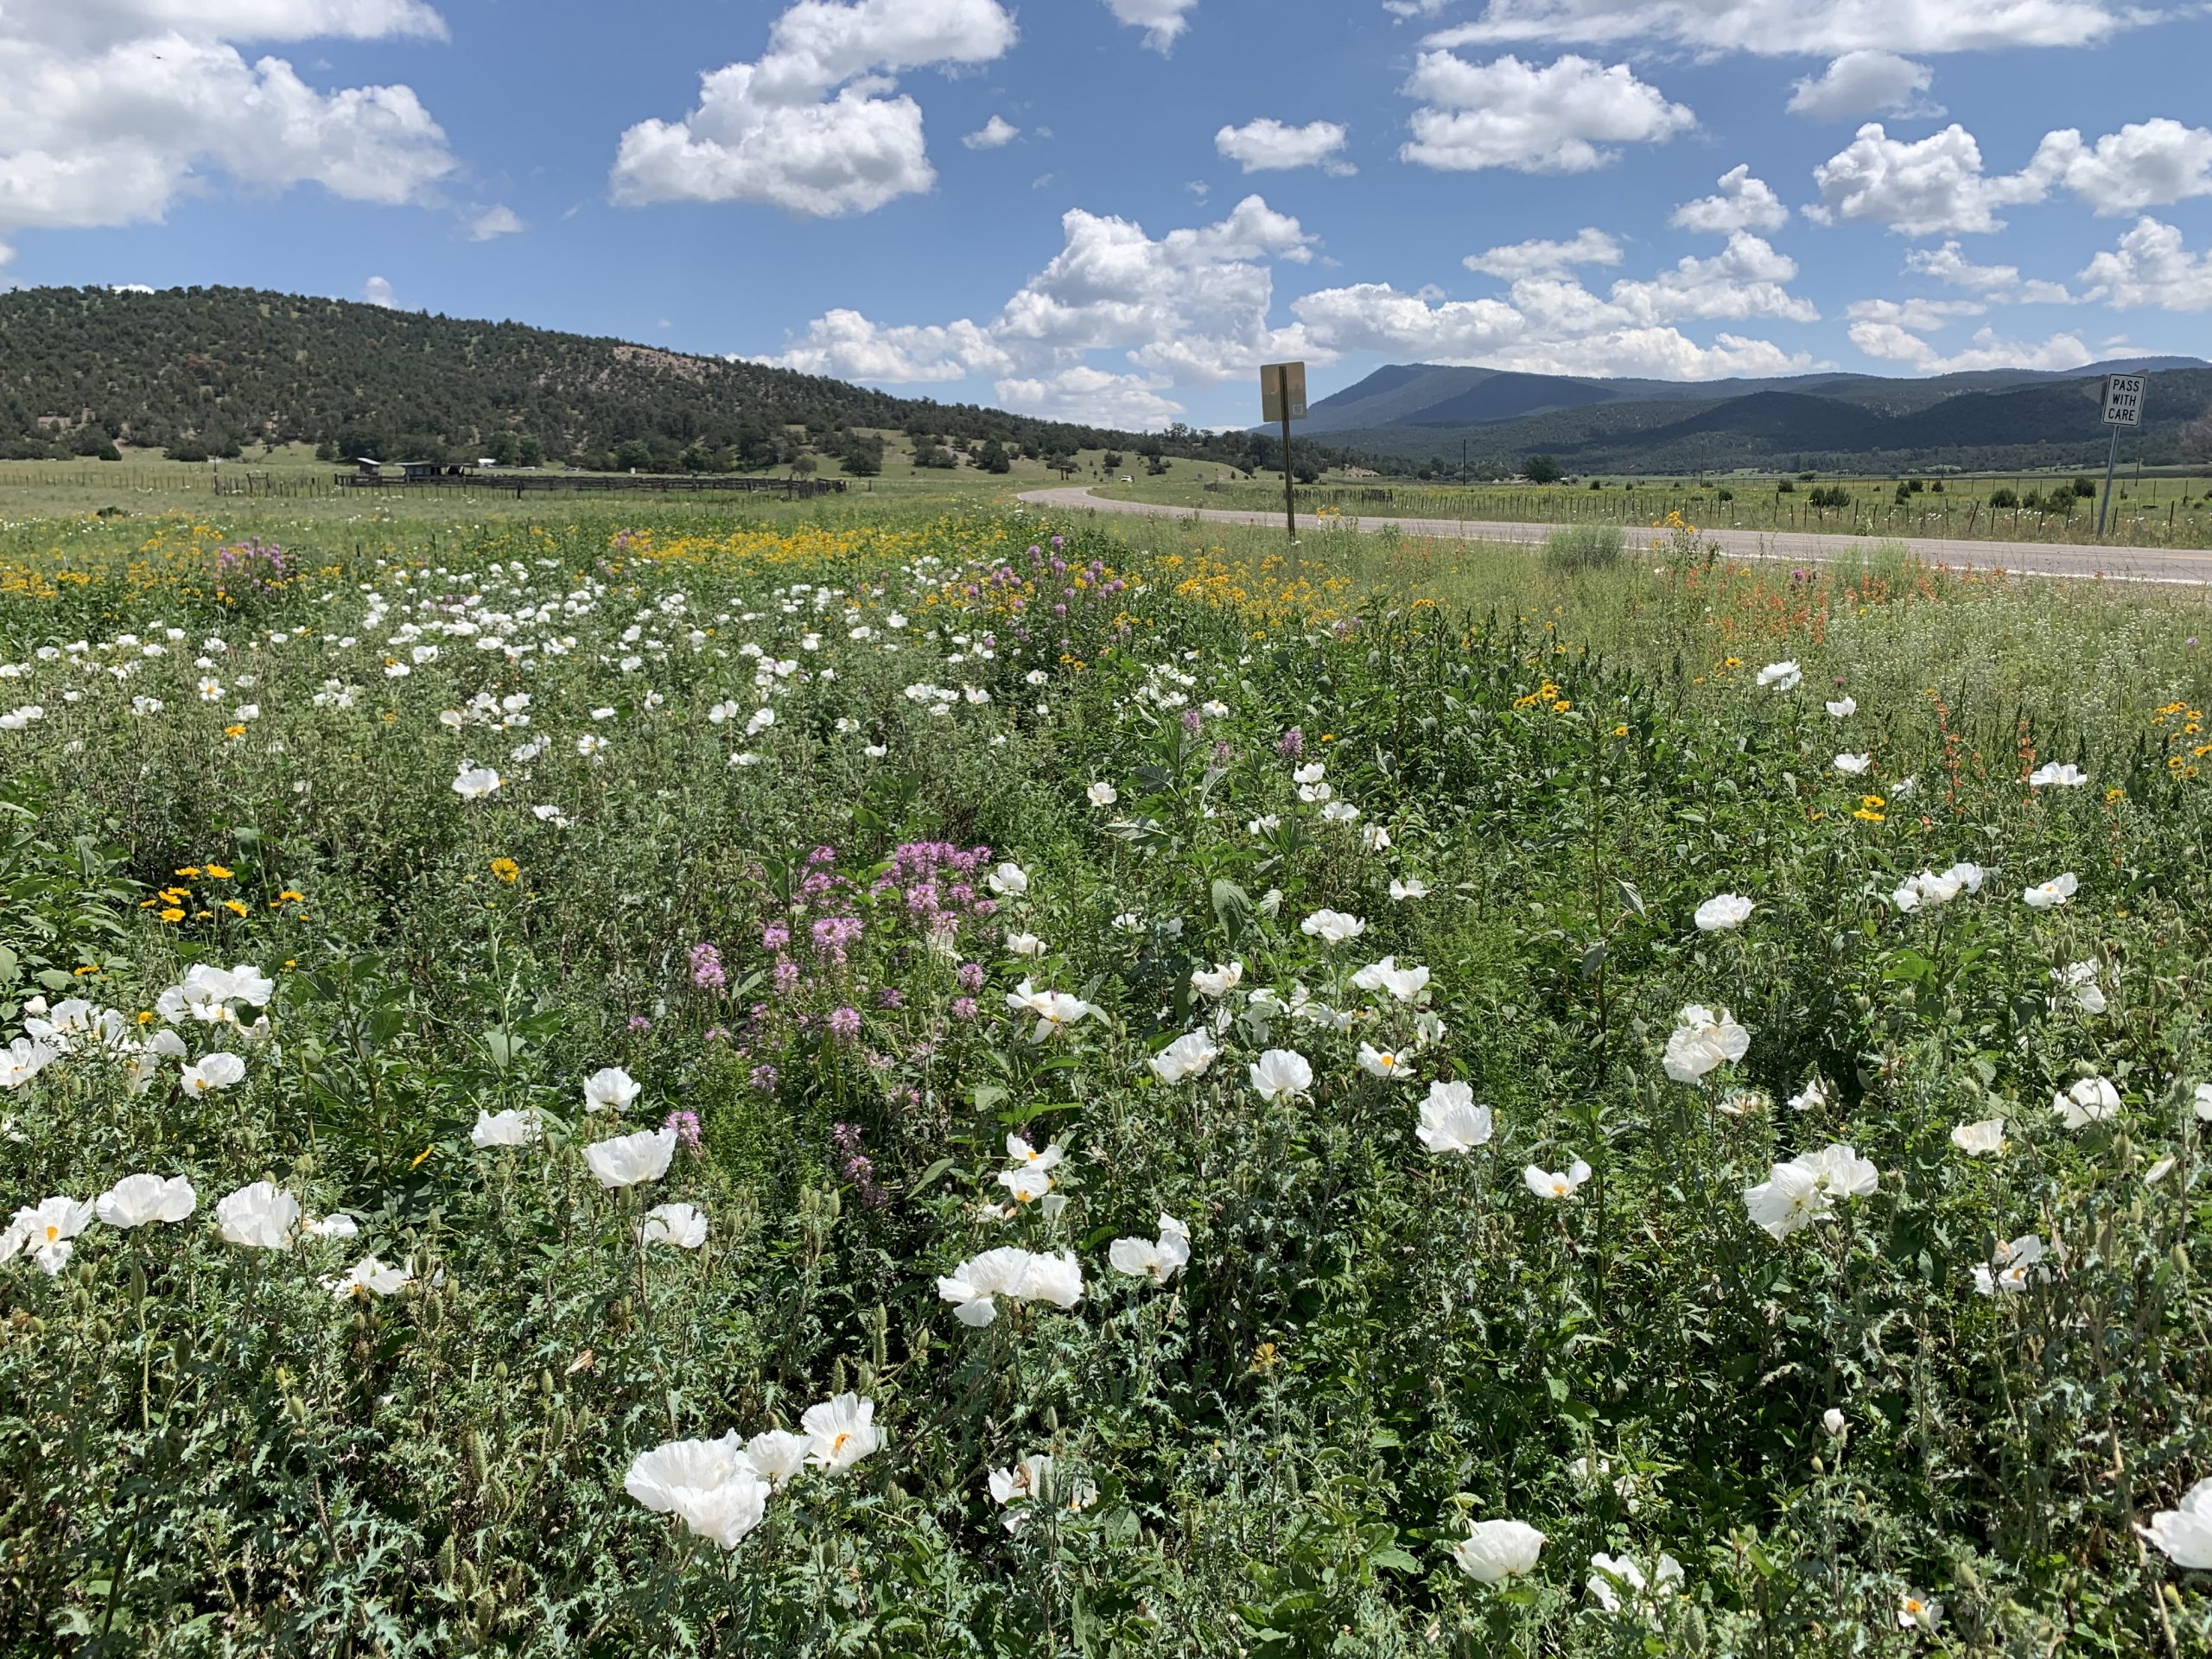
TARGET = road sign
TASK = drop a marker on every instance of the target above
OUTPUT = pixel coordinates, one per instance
(2124, 399)
(1282, 392)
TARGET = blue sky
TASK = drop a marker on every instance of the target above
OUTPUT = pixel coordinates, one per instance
(1116, 209)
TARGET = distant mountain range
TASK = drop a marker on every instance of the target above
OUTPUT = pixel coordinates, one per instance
(1829, 422)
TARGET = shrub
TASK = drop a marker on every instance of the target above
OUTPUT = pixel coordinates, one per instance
(1585, 547)
(2002, 498)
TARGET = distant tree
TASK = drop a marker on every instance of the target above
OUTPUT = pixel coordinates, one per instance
(1542, 469)
(186, 449)
(2197, 438)
(2085, 487)
(1785, 486)
(1305, 472)
(804, 466)
(632, 454)
(930, 453)
(501, 448)
(2002, 496)
(993, 457)
(862, 457)
(1113, 461)
(530, 450)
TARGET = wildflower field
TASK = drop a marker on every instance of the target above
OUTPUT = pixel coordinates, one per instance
(964, 1086)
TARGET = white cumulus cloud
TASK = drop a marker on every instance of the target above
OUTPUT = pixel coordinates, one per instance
(1188, 309)
(1560, 117)
(1587, 246)
(994, 134)
(817, 126)
(378, 291)
(1092, 395)
(1922, 316)
(1269, 145)
(1866, 82)
(1554, 325)
(1892, 342)
(2151, 267)
(1162, 20)
(2145, 164)
(1950, 265)
(114, 110)
(1931, 186)
(1799, 28)
(495, 222)
(1743, 203)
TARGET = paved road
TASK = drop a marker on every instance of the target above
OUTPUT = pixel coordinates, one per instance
(1793, 547)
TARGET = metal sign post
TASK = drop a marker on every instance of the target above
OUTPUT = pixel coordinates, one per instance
(1282, 399)
(2123, 408)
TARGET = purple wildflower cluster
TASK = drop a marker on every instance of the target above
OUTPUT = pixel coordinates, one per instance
(686, 1125)
(933, 883)
(250, 567)
(706, 971)
(859, 1168)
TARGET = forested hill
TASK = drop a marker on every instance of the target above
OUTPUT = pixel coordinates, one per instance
(216, 368)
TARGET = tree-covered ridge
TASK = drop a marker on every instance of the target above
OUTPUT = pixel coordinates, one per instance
(82, 369)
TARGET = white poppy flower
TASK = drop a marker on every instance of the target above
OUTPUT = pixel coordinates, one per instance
(2049, 895)
(1009, 880)
(679, 1225)
(2077, 982)
(1450, 1122)
(1841, 1172)
(1187, 1056)
(1781, 677)
(2092, 1100)
(367, 1277)
(707, 1485)
(610, 1089)
(23, 1059)
(337, 1226)
(1019, 1275)
(1790, 1198)
(1411, 887)
(1023, 944)
(2203, 1103)
(1312, 772)
(1403, 983)
(1615, 1573)
(1976, 1139)
(1832, 1421)
(1917, 1613)
(2055, 776)
(1281, 1074)
(214, 1073)
(1159, 1259)
(474, 783)
(1218, 981)
(1815, 1093)
(48, 1230)
(2010, 1265)
(1854, 766)
(1494, 1551)
(1729, 910)
(1844, 707)
(2184, 1535)
(261, 1217)
(1102, 794)
(507, 1129)
(628, 1160)
(777, 1456)
(1702, 1040)
(840, 1432)
(1546, 1184)
(1332, 927)
(136, 1199)
(2159, 1171)
(1386, 1062)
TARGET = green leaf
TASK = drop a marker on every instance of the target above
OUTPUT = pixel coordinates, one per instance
(1630, 897)
(929, 1176)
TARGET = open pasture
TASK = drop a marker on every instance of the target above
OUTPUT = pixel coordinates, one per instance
(2156, 510)
(815, 1082)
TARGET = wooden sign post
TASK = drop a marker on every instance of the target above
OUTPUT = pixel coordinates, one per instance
(1282, 399)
